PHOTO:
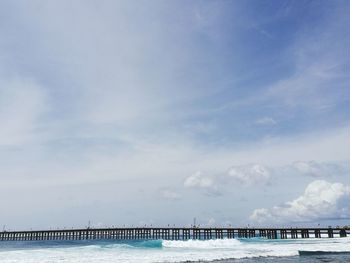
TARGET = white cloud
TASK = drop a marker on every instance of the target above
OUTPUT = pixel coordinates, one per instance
(321, 200)
(118, 112)
(266, 121)
(256, 174)
(216, 184)
(249, 174)
(198, 181)
(315, 169)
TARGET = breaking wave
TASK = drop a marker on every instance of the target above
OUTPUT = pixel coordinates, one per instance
(152, 251)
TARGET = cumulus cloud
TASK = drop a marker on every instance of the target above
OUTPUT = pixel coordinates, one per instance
(249, 174)
(215, 185)
(320, 200)
(198, 181)
(256, 173)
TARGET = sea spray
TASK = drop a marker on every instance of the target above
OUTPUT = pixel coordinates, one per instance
(203, 244)
(156, 251)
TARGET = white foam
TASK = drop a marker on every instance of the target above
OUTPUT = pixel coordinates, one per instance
(203, 244)
(175, 251)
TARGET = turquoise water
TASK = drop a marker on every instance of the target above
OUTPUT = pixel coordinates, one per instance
(224, 250)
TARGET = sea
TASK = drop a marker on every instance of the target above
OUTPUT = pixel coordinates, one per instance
(149, 251)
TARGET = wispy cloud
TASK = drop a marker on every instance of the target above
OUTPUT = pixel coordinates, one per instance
(170, 194)
(23, 104)
(249, 174)
(103, 104)
(266, 121)
(315, 169)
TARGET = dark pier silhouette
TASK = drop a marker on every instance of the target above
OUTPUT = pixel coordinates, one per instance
(172, 233)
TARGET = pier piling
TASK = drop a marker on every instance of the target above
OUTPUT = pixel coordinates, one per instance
(172, 233)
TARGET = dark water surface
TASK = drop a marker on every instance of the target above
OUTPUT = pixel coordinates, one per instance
(336, 258)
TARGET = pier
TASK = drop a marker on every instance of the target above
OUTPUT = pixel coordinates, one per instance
(172, 233)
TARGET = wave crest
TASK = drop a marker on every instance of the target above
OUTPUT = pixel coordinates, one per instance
(202, 244)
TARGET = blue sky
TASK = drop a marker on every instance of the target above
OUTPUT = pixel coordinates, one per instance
(155, 112)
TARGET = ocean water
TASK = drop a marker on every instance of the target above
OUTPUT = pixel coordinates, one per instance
(222, 250)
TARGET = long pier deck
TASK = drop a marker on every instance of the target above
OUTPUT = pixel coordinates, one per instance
(172, 233)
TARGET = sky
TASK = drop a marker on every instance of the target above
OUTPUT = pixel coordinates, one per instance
(134, 113)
